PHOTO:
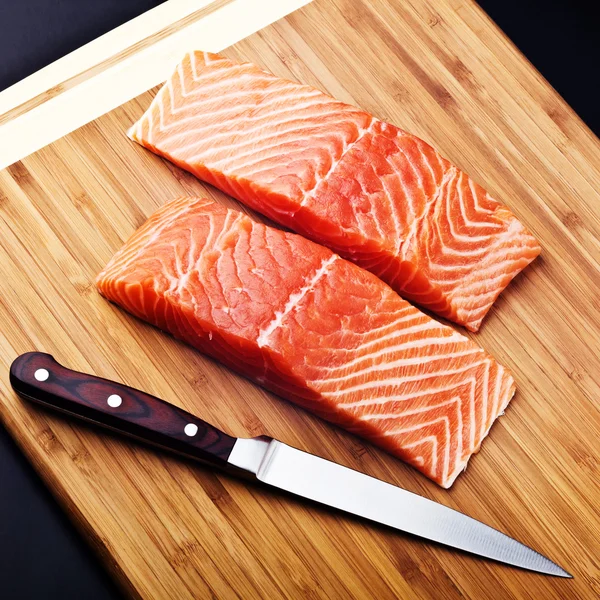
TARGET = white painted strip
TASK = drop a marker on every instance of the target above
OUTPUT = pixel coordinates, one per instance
(133, 76)
(98, 51)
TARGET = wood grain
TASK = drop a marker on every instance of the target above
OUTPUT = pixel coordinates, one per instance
(168, 529)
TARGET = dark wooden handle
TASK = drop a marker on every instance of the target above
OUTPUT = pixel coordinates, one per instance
(38, 377)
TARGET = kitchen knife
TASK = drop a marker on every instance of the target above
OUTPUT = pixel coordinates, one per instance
(38, 377)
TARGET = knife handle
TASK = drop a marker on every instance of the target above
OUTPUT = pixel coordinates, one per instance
(37, 376)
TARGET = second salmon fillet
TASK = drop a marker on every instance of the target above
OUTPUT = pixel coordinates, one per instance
(313, 328)
(366, 189)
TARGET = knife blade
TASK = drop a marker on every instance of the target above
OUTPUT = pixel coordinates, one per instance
(38, 377)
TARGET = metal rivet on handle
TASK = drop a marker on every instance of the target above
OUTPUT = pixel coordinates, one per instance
(41, 374)
(114, 400)
(190, 429)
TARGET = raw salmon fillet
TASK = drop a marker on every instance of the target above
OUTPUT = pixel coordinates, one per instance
(314, 328)
(371, 192)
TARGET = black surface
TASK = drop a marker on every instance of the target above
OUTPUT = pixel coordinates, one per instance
(562, 40)
(34, 33)
(41, 556)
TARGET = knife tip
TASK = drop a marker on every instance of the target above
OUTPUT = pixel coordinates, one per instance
(560, 572)
(566, 574)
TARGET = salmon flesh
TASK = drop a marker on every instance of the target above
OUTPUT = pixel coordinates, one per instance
(369, 191)
(315, 329)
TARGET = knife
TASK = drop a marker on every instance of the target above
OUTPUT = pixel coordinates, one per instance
(37, 376)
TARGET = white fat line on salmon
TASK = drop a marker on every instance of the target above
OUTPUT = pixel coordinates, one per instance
(424, 361)
(419, 460)
(501, 375)
(452, 222)
(456, 338)
(496, 241)
(456, 400)
(389, 194)
(401, 381)
(266, 152)
(208, 60)
(485, 386)
(152, 235)
(242, 75)
(194, 257)
(137, 129)
(380, 400)
(468, 290)
(480, 289)
(446, 445)
(294, 300)
(294, 124)
(424, 151)
(494, 418)
(417, 175)
(478, 207)
(414, 226)
(238, 108)
(335, 163)
(485, 223)
(378, 335)
(201, 144)
(510, 256)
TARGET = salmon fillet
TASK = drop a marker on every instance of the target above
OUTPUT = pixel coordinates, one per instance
(371, 192)
(315, 329)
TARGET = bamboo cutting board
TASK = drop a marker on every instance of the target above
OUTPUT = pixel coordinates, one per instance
(166, 528)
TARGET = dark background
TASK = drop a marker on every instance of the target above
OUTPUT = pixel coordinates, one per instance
(41, 556)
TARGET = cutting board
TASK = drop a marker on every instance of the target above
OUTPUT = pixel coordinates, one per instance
(167, 528)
